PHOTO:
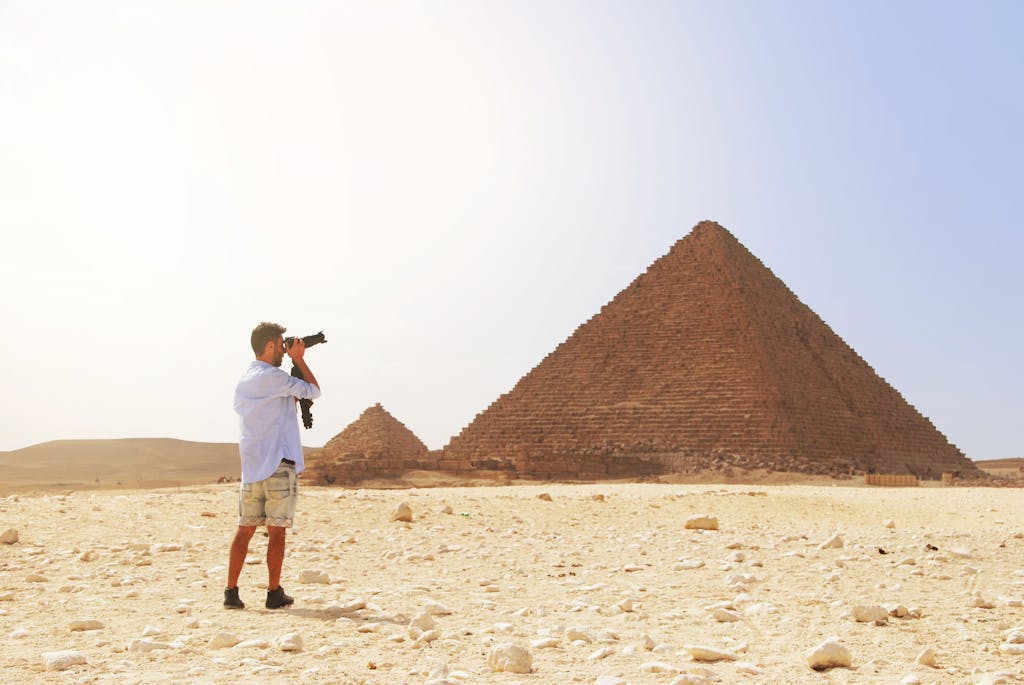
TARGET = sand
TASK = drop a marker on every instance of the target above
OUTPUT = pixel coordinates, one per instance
(600, 584)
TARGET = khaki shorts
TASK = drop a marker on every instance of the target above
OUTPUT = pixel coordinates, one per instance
(270, 501)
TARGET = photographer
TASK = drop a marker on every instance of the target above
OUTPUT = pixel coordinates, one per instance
(271, 454)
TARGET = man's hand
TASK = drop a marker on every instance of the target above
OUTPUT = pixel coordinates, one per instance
(297, 349)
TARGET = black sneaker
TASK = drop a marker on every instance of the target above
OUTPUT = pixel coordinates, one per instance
(231, 600)
(277, 599)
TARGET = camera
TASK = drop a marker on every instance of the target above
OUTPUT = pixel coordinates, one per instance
(309, 341)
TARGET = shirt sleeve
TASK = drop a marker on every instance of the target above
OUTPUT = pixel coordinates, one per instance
(296, 387)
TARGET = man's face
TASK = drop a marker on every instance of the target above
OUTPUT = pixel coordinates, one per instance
(278, 353)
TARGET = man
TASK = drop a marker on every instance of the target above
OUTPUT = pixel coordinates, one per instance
(271, 454)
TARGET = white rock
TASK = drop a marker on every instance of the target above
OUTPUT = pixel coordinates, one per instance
(1011, 648)
(701, 522)
(141, 645)
(828, 654)
(252, 644)
(575, 634)
(870, 613)
(687, 565)
(691, 679)
(423, 621)
(702, 653)
(9, 537)
(610, 680)
(403, 512)
(63, 659)
(910, 679)
(314, 576)
(889, 523)
(222, 640)
(544, 643)
(510, 658)
(725, 616)
(927, 658)
(600, 653)
(834, 542)
(979, 600)
(436, 608)
(747, 667)
(289, 642)
(1015, 636)
(85, 624)
(426, 637)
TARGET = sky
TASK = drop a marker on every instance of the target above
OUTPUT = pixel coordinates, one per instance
(448, 189)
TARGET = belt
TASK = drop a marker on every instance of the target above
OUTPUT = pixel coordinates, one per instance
(288, 461)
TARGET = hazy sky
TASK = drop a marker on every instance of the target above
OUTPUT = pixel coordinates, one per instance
(448, 189)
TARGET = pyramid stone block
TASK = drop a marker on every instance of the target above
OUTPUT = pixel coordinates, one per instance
(706, 360)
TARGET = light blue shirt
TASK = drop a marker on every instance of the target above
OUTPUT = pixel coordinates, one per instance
(265, 403)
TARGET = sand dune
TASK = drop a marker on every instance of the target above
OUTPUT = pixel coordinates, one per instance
(127, 463)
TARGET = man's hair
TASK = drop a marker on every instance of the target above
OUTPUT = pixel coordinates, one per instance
(263, 334)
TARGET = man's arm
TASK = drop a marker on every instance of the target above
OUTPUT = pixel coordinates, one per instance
(298, 353)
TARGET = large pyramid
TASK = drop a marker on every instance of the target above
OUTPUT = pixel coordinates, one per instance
(706, 359)
(375, 445)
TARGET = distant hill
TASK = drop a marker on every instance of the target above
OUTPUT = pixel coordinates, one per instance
(125, 463)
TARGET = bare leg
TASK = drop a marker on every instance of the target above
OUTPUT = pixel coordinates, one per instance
(239, 548)
(275, 555)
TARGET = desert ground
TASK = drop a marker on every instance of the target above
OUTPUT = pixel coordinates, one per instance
(599, 583)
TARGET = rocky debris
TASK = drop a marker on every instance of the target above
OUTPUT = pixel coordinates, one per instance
(63, 659)
(870, 613)
(403, 512)
(222, 641)
(289, 642)
(829, 654)
(510, 658)
(701, 522)
(142, 645)
(544, 496)
(9, 536)
(927, 658)
(981, 601)
(85, 624)
(834, 542)
(1014, 643)
(702, 653)
(314, 577)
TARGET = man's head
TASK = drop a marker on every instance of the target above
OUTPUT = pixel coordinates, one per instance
(268, 342)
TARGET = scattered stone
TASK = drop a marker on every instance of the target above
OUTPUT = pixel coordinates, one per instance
(725, 616)
(423, 622)
(834, 542)
(870, 614)
(446, 509)
(36, 578)
(222, 641)
(691, 679)
(545, 643)
(426, 637)
(889, 523)
(701, 653)
(141, 645)
(576, 635)
(600, 653)
(436, 608)
(510, 658)
(9, 537)
(979, 600)
(687, 565)
(927, 658)
(610, 680)
(910, 679)
(252, 644)
(289, 642)
(403, 512)
(830, 653)
(701, 522)
(313, 576)
(85, 624)
(63, 659)
(544, 496)
(658, 667)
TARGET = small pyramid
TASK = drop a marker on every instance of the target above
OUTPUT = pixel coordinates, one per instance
(374, 445)
(706, 360)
